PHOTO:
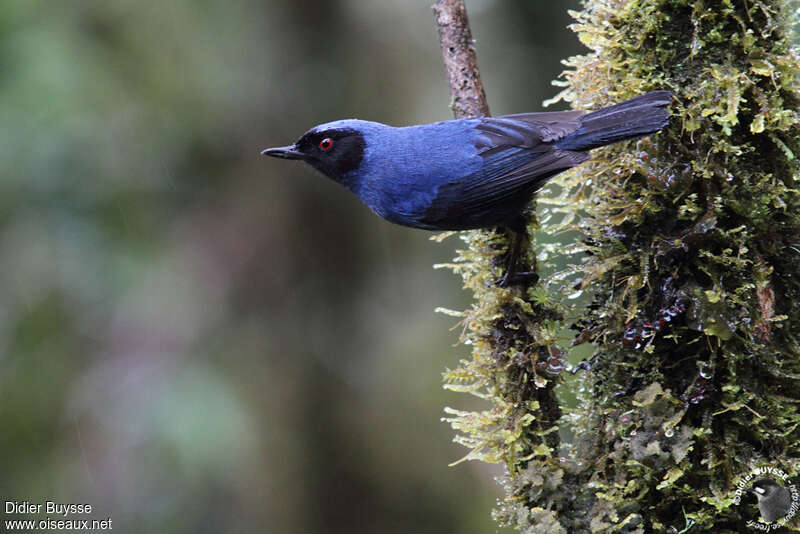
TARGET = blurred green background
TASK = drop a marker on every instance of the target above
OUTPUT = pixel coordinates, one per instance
(195, 338)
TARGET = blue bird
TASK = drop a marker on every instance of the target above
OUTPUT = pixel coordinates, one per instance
(468, 173)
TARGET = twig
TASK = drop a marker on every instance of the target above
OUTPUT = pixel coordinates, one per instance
(466, 89)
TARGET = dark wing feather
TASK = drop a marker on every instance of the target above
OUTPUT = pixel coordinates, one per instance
(552, 125)
(518, 156)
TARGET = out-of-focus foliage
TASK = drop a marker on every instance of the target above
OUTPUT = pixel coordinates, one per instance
(194, 338)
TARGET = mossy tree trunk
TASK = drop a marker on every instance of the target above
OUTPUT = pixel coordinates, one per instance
(689, 261)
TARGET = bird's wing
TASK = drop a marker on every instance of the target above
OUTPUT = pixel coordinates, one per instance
(517, 157)
(549, 126)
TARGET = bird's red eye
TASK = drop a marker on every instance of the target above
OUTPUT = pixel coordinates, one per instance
(326, 144)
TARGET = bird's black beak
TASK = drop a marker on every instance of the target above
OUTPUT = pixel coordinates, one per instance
(285, 152)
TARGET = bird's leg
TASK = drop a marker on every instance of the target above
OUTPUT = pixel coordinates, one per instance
(511, 275)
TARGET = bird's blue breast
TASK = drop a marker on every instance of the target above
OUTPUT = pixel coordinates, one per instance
(403, 168)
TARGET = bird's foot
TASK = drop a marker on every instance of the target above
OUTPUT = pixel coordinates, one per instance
(517, 278)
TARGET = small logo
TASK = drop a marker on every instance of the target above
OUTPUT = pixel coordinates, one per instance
(778, 501)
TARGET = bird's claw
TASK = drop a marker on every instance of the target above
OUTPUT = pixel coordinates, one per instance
(517, 279)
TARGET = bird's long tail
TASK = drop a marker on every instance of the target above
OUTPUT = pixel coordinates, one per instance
(633, 118)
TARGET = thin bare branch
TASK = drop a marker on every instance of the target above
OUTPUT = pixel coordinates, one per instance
(455, 37)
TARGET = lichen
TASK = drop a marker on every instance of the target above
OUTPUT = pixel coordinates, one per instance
(687, 254)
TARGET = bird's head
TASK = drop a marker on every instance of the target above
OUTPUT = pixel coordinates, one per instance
(336, 149)
(764, 488)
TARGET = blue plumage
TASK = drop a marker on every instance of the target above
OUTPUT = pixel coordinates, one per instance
(398, 179)
(468, 173)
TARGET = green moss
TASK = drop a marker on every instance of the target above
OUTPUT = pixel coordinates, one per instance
(689, 250)
(515, 362)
